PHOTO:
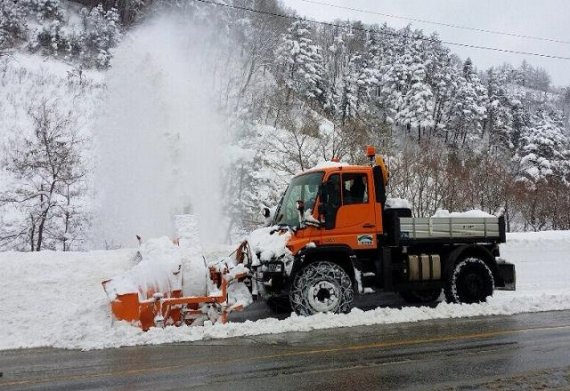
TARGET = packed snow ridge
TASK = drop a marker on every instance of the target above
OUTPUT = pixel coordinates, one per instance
(329, 164)
(269, 243)
(398, 203)
(469, 213)
(75, 310)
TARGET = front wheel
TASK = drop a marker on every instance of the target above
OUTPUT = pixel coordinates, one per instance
(321, 287)
(471, 281)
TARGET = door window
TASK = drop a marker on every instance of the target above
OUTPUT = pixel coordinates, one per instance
(354, 189)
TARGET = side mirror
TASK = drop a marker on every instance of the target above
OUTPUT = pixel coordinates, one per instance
(268, 215)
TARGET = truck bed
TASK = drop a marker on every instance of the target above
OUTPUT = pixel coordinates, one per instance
(461, 229)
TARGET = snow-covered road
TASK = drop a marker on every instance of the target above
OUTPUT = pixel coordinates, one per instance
(56, 299)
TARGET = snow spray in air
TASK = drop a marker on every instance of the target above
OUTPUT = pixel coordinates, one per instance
(159, 137)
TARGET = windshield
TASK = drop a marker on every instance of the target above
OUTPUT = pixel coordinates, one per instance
(305, 188)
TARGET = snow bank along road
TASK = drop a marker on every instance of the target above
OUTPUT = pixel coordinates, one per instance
(56, 299)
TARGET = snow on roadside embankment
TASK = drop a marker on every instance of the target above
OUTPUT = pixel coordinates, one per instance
(56, 299)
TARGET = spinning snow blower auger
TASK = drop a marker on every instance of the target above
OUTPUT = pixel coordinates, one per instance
(171, 284)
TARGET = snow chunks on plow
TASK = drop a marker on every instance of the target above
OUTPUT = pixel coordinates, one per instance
(172, 285)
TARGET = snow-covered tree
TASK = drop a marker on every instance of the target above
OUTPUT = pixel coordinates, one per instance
(13, 24)
(417, 106)
(499, 122)
(300, 62)
(251, 181)
(395, 77)
(543, 151)
(351, 96)
(44, 9)
(468, 107)
(48, 172)
(442, 76)
(101, 33)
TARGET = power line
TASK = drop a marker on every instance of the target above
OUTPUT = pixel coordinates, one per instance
(455, 26)
(330, 24)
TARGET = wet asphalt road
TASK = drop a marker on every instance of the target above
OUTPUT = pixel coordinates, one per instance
(529, 351)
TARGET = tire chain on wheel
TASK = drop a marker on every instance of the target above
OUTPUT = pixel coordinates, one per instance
(313, 273)
(451, 293)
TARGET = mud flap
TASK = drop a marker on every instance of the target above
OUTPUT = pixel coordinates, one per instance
(508, 276)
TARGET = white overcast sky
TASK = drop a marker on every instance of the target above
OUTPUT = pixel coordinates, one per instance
(542, 18)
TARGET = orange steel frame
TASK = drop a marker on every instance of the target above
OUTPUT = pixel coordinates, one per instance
(144, 313)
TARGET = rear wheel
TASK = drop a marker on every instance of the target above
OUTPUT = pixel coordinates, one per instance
(422, 296)
(321, 287)
(471, 281)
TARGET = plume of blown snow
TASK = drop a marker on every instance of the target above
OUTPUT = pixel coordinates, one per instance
(159, 137)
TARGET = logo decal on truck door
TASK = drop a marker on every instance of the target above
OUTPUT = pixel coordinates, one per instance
(365, 240)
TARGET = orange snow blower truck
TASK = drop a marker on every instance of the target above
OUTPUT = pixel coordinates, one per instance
(340, 236)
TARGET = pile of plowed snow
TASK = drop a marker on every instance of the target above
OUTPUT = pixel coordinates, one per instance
(56, 299)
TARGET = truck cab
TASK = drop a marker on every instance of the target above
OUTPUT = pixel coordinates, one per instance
(340, 239)
(338, 208)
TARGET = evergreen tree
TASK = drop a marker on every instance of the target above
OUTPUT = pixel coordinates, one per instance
(543, 150)
(468, 107)
(102, 32)
(302, 69)
(13, 25)
(418, 104)
(499, 120)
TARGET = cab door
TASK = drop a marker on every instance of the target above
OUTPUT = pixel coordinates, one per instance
(355, 222)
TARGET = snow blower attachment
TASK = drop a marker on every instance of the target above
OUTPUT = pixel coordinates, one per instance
(171, 284)
(159, 309)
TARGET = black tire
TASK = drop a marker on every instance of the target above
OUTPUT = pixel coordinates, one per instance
(423, 296)
(470, 281)
(321, 287)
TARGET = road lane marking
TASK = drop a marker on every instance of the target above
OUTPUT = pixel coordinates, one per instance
(375, 345)
(418, 341)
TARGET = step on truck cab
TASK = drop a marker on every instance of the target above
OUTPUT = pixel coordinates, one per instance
(333, 236)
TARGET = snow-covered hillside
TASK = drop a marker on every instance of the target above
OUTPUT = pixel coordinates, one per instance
(56, 299)
(61, 29)
(41, 96)
(188, 79)
(27, 80)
